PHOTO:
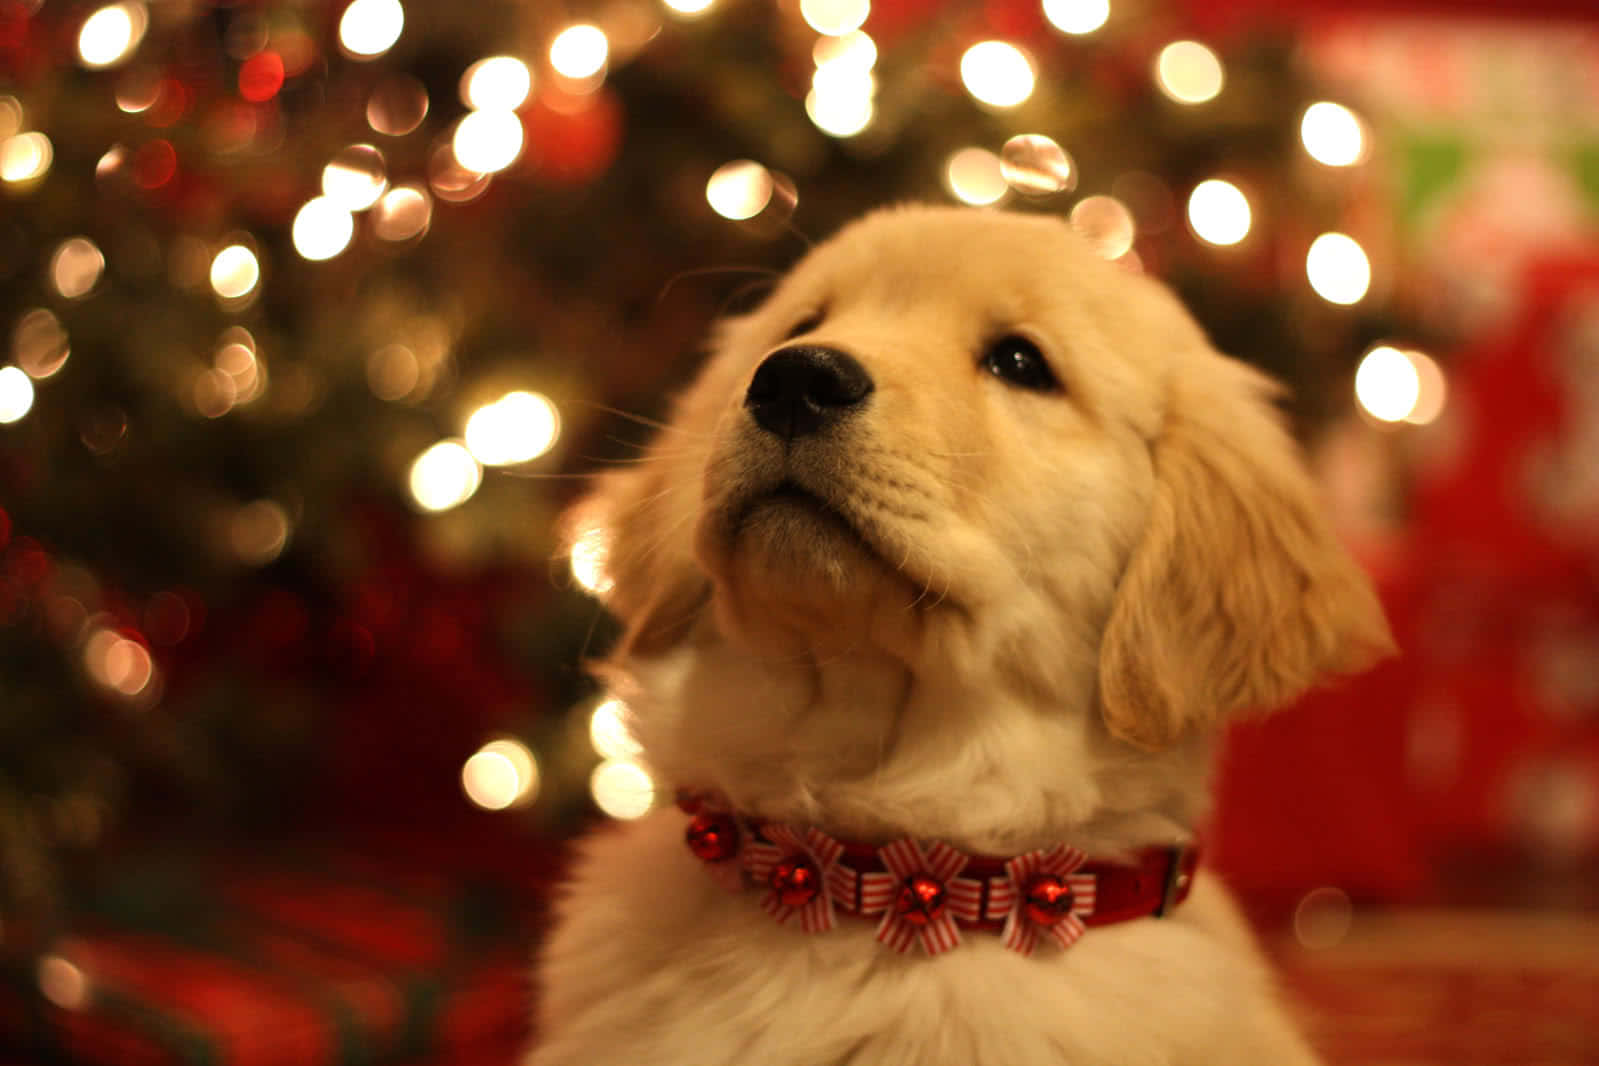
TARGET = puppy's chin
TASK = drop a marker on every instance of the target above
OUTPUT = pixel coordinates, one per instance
(793, 575)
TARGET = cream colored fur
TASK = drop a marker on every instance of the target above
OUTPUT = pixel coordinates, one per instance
(1021, 623)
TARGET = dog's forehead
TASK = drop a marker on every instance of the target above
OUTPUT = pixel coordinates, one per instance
(913, 255)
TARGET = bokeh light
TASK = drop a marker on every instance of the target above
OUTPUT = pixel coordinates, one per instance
(39, 343)
(1035, 165)
(622, 788)
(1077, 16)
(405, 211)
(499, 83)
(1332, 134)
(25, 157)
(322, 229)
(997, 73)
(62, 982)
(579, 52)
(1188, 72)
(1432, 392)
(258, 532)
(369, 28)
(739, 190)
(610, 732)
(854, 49)
(689, 8)
(1323, 917)
(235, 271)
(1338, 269)
(1219, 212)
(487, 142)
(840, 100)
(393, 372)
(444, 476)
(110, 35)
(452, 182)
(1387, 384)
(355, 178)
(397, 106)
(516, 428)
(16, 394)
(501, 774)
(1106, 224)
(835, 17)
(76, 266)
(974, 176)
(117, 662)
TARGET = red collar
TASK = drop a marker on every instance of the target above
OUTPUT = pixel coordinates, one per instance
(928, 892)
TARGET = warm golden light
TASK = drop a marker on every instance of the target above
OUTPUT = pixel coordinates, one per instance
(973, 176)
(322, 229)
(16, 394)
(1188, 72)
(393, 372)
(25, 157)
(589, 556)
(997, 73)
(1077, 16)
(689, 8)
(62, 982)
(11, 116)
(840, 100)
(835, 17)
(369, 28)
(355, 178)
(1219, 212)
(76, 266)
(1332, 134)
(739, 190)
(397, 105)
(1338, 269)
(487, 142)
(1432, 393)
(622, 788)
(579, 52)
(110, 35)
(610, 732)
(405, 211)
(501, 774)
(516, 428)
(39, 344)
(1387, 384)
(444, 476)
(855, 49)
(1035, 165)
(258, 532)
(1106, 224)
(122, 665)
(499, 83)
(235, 271)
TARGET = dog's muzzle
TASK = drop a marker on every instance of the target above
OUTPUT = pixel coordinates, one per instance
(802, 390)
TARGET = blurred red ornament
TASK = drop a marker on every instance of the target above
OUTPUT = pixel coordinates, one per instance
(796, 881)
(261, 77)
(712, 837)
(1049, 899)
(920, 900)
(574, 146)
(155, 164)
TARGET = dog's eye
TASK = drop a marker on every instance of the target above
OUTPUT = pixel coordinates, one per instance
(1018, 361)
(809, 324)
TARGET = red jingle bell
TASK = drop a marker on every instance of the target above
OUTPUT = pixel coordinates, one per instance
(1048, 899)
(712, 837)
(920, 899)
(795, 880)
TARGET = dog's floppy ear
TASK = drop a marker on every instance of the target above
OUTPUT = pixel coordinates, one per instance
(1238, 596)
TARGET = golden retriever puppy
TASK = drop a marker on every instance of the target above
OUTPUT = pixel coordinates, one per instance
(936, 591)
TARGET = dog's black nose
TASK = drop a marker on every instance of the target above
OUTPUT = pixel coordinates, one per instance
(800, 390)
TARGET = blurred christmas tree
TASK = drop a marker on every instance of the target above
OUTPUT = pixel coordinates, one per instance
(283, 277)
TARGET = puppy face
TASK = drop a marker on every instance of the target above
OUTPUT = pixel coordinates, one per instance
(960, 440)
